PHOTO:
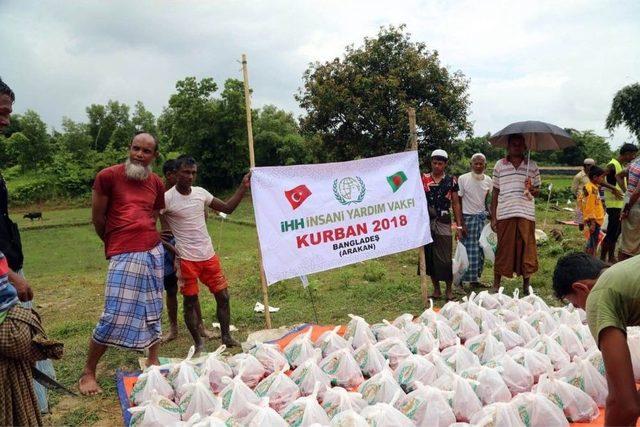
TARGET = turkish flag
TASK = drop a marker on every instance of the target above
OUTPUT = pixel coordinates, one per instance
(296, 196)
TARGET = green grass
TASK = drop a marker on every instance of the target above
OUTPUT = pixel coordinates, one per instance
(66, 268)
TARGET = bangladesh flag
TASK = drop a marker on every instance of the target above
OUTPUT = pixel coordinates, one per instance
(396, 180)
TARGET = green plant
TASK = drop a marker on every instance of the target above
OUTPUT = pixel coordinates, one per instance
(374, 271)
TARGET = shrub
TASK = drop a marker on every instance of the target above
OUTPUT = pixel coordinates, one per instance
(374, 272)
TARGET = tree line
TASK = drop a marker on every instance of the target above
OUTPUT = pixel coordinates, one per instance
(354, 107)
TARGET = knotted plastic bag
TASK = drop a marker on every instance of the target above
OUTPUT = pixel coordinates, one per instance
(507, 337)
(576, 404)
(451, 308)
(491, 387)
(349, 418)
(536, 363)
(342, 368)
(546, 345)
(394, 349)
(497, 414)
(183, 373)
(586, 377)
(337, 400)
(236, 395)
(197, 398)
(279, 388)
(428, 406)
(464, 402)
(157, 411)
(381, 387)
(309, 373)
(305, 411)
(386, 330)
(300, 349)
(270, 356)
(386, 415)
(261, 415)
(536, 410)
(150, 381)
(197, 420)
(414, 369)
(403, 320)
(370, 359)
(331, 341)
(217, 369)
(543, 322)
(464, 326)
(519, 306)
(444, 334)
(460, 263)
(421, 340)
(459, 358)
(359, 331)
(515, 376)
(485, 346)
(522, 328)
(429, 316)
(252, 370)
(568, 340)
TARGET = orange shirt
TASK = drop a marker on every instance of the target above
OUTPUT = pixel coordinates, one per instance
(592, 208)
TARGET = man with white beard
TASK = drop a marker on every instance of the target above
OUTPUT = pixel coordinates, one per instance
(125, 204)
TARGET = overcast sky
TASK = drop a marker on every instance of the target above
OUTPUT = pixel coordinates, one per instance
(558, 61)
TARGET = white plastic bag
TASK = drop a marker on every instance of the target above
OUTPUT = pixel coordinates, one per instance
(236, 395)
(270, 356)
(349, 418)
(515, 376)
(309, 373)
(537, 410)
(197, 398)
(337, 400)
(252, 370)
(305, 411)
(485, 346)
(262, 415)
(487, 300)
(370, 359)
(394, 349)
(586, 377)
(414, 369)
(595, 358)
(300, 349)
(429, 316)
(331, 341)
(342, 368)
(386, 330)
(157, 411)
(576, 404)
(489, 243)
(151, 381)
(465, 402)
(381, 387)
(536, 363)
(546, 345)
(568, 340)
(491, 388)
(522, 328)
(421, 340)
(184, 372)
(217, 369)
(359, 331)
(386, 415)
(196, 420)
(460, 263)
(451, 308)
(403, 320)
(445, 335)
(633, 340)
(459, 358)
(279, 388)
(428, 406)
(497, 414)
(542, 321)
(507, 337)
(464, 326)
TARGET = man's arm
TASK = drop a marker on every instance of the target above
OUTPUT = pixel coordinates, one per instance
(494, 207)
(99, 203)
(22, 286)
(575, 184)
(620, 179)
(232, 203)
(457, 211)
(622, 407)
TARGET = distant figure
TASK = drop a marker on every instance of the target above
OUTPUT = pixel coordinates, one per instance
(126, 201)
(592, 209)
(516, 182)
(630, 216)
(33, 215)
(196, 258)
(579, 181)
(475, 189)
(614, 199)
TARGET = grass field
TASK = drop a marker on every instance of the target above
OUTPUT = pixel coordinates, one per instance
(66, 267)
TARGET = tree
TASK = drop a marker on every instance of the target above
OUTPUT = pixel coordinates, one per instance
(143, 119)
(110, 124)
(625, 110)
(30, 147)
(588, 145)
(278, 140)
(75, 139)
(358, 104)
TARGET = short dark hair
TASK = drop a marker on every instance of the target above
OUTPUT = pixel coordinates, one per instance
(515, 136)
(140, 132)
(572, 268)
(595, 171)
(440, 158)
(168, 166)
(628, 148)
(185, 160)
(6, 90)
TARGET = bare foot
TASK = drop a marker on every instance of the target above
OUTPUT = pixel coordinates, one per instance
(436, 295)
(200, 349)
(88, 385)
(229, 341)
(449, 296)
(173, 334)
(153, 361)
(205, 333)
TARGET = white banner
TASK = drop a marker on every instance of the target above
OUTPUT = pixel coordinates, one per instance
(313, 218)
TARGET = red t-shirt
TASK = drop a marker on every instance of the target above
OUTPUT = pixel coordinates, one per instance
(130, 224)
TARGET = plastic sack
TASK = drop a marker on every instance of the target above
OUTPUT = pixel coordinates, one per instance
(217, 369)
(450, 308)
(428, 406)
(386, 330)
(546, 345)
(380, 388)
(263, 415)
(520, 306)
(414, 369)
(537, 410)
(331, 341)
(543, 322)
(270, 356)
(385, 415)
(586, 377)
(359, 331)
(464, 402)
(485, 346)
(538, 303)
(236, 395)
(489, 243)
(459, 358)
(337, 400)
(309, 373)
(197, 398)
(464, 326)
(183, 373)
(497, 414)
(507, 337)
(486, 300)
(252, 370)
(349, 418)
(576, 404)
(149, 382)
(506, 315)
(491, 387)
(421, 340)
(443, 333)
(536, 363)
(568, 340)
(429, 316)
(197, 420)
(370, 359)
(342, 368)
(522, 328)
(517, 378)
(394, 349)
(503, 298)
(157, 411)
(584, 334)
(633, 340)
(595, 358)
(460, 263)
(403, 320)
(305, 411)
(300, 349)
(279, 388)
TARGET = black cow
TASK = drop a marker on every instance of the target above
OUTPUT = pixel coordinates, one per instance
(33, 215)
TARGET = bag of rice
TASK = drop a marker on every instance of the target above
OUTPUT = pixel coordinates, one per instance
(491, 387)
(337, 400)
(197, 420)
(536, 363)
(429, 316)
(414, 369)
(331, 341)
(443, 333)
(464, 402)
(342, 368)
(487, 300)
(568, 340)
(576, 404)
(150, 381)
(503, 298)
(380, 388)
(157, 411)
(305, 411)
(359, 331)
(421, 340)
(428, 406)
(497, 414)
(184, 372)
(236, 395)
(403, 320)
(279, 388)
(543, 322)
(459, 358)
(385, 415)
(536, 410)
(450, 308)
(586, 377)
(515, 376)
(546, 345)
(394, 349)
(309, 373)
(370, 359)
(633, 340)
(349, 418)
(485, 346)
(464, 326)
(386, 330)
(537, 302)
(507, 337)
(519, 306)
(300, 349)
(522, 328)
(595, 358)
(506, 315)
(252, 369)
(197, 398)
(262, 415)
(217, 369)
(270, 356)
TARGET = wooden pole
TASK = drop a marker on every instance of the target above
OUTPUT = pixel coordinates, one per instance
(422, 262)
(252, 163)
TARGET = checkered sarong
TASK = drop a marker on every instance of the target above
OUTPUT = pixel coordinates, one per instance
(474, 224)
(133, 300)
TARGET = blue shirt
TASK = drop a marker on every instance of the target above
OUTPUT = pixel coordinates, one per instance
(8, 294)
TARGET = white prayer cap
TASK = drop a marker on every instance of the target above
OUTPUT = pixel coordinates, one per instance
(478, 156)
(440, 153)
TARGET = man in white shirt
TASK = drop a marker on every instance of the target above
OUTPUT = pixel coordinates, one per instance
(475, 188)
(196, 258)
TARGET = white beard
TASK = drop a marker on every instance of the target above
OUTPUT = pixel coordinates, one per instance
(135, 171)
(478, 176)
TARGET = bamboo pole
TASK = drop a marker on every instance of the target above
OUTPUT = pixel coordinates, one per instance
(252, 163)
(422, 262)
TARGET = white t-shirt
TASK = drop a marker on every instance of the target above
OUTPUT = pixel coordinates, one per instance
(185, 216)
(473, 193)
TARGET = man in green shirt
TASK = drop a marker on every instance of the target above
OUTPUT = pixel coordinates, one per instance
(611, 297)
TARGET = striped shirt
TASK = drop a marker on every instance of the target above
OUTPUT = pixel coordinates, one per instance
(634, 176)
(8, 294)
(512, 202)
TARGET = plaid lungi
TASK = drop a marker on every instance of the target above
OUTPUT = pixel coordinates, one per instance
(133, 300)
(474, 224)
